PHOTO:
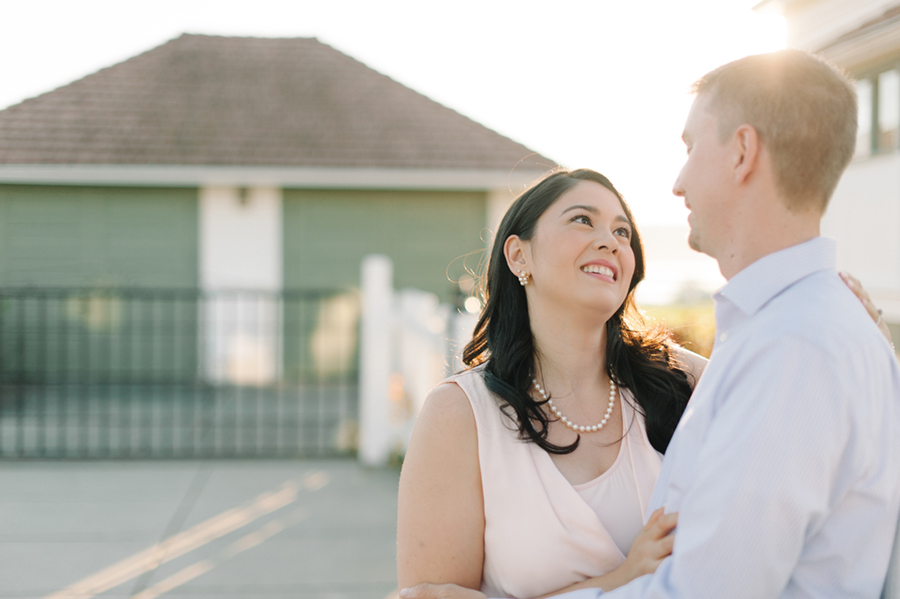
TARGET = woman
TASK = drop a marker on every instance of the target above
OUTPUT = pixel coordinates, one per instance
(518, 481)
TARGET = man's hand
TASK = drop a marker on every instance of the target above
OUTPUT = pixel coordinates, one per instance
(440, 591)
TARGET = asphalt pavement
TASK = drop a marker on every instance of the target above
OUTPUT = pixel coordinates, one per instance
(194, 529)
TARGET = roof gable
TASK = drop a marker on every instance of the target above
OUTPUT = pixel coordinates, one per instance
(205, 100)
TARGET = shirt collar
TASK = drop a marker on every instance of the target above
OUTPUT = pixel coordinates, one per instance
(753, 287)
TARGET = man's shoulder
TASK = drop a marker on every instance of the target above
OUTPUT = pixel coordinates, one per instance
(821, 315)
(822, 310)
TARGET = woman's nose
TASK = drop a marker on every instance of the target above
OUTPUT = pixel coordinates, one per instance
(606, 240)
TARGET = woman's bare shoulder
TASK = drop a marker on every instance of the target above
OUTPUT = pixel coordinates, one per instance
(446, 405)
(445, 433)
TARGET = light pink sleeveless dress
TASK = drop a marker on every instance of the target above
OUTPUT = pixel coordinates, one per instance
(541, 533)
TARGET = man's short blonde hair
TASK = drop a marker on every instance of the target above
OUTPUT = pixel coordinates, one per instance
(804, 111)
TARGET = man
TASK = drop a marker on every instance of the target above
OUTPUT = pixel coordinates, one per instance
(785, 468)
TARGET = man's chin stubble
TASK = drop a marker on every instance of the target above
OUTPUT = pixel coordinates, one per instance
(694, 242)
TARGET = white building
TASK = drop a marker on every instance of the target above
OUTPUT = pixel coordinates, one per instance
(862, 37)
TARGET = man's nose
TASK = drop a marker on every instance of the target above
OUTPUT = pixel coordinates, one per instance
(677, 188)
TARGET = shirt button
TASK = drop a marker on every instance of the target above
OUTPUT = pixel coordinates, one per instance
(723, 337)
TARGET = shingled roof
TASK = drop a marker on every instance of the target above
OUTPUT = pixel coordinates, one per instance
(205, 100)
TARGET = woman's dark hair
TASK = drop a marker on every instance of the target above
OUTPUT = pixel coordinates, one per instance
(637, 357)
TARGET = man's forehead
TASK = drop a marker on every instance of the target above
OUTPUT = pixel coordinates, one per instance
(700, 111)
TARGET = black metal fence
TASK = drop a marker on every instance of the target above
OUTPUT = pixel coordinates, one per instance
(138, 373)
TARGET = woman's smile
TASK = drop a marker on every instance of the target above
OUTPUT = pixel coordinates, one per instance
(601, 269)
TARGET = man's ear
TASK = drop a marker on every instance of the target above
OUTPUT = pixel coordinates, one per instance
(515, 250)
(746, 152)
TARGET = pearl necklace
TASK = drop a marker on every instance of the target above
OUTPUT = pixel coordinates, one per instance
(572, 425)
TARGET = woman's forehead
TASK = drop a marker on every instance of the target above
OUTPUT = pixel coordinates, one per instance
(589, 195)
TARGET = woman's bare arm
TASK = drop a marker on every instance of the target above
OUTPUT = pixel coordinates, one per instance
(652, 545)
(440, 528)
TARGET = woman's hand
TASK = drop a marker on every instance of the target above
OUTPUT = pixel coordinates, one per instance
(652, 545)
(857, 288)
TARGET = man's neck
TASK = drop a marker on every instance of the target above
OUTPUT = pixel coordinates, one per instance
(764, 234)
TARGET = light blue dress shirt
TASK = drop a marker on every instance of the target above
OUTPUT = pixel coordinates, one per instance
(785, 468)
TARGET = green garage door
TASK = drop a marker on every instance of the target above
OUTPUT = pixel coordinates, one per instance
(66, 253)
(430, 236)
(90, 236)
(327, 234)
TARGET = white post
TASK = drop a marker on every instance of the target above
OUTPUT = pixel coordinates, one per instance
(375, 360)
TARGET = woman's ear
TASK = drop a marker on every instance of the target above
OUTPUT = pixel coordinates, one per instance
(516, 252)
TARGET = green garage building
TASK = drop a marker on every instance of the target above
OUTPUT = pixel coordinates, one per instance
(197, 216)
(124, 178)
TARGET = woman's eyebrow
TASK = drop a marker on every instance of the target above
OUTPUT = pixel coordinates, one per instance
(594, 210)
(590, 209)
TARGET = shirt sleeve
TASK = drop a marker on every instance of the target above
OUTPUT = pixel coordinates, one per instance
(763, 479)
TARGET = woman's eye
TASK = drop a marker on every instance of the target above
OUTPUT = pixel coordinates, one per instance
(624, 232)
(583, 219)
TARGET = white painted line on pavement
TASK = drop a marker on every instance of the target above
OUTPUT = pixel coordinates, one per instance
(187, 541)
(202, 567)
(175, 580)
(253, 539)
(315, 481)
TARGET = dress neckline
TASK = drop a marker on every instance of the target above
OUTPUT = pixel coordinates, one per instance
(580, 512)
(608, 472)
(619, 455)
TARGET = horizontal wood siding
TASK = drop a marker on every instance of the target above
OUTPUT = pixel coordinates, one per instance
(98, 236)
(98, 239)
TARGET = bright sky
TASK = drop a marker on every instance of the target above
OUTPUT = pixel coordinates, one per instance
(591, 83)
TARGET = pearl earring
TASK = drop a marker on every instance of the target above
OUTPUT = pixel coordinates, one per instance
(523, 278)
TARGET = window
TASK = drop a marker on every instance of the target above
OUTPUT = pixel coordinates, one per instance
(864, 136)
(879, 111)
(888, 109)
